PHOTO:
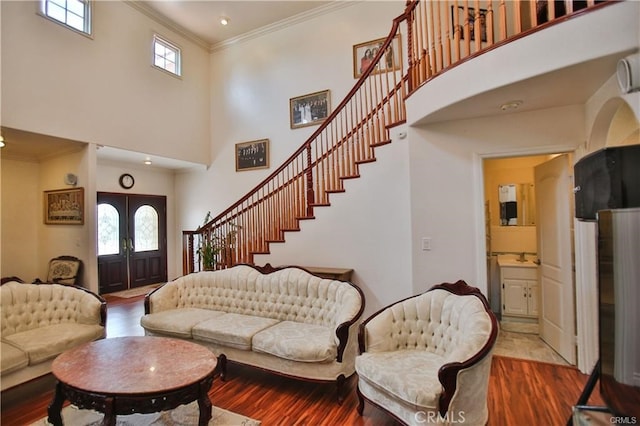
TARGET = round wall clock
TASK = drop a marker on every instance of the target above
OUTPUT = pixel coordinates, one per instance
(126, 181)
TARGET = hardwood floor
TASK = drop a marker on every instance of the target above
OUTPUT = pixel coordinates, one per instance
(520, 392)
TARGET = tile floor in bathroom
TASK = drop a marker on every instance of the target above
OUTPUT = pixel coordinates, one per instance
(521, 340)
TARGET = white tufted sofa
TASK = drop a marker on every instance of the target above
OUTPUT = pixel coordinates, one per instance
(426, 359)
(284, 320)
(40, 321)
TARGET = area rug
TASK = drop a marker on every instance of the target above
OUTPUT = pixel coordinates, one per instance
(184, 415)
(135, 292)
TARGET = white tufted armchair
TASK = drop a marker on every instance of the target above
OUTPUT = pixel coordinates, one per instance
(426, 359)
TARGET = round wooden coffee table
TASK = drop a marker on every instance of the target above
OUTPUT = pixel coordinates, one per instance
(127, 375)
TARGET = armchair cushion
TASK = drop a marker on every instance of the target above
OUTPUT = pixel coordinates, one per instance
(410, 375)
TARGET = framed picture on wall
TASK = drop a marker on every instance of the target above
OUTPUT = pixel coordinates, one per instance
(64, 207)
(307, 110)
(364, 53)
(252, 155)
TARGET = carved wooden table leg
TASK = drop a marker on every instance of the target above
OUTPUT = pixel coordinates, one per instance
(204, 403)
(55, 408)
(109, 412)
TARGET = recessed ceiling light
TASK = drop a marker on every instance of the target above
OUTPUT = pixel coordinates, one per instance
(224, 20)
(510, 105)
(148, 161)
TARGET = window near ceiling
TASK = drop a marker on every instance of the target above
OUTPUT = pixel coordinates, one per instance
(74, 14)
(166, 55)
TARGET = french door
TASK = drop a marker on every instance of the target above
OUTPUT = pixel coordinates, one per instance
(132, 241)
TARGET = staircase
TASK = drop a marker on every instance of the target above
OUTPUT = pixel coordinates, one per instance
(433, 39)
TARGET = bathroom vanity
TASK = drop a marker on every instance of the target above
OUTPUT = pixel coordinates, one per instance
(520, 288)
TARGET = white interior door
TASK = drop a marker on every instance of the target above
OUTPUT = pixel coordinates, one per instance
(554, 212)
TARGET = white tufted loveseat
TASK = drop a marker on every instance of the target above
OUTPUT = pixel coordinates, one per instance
(426, 359)
(284, 320)
(40, 321)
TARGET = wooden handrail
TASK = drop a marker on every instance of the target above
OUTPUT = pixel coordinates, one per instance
(440, 34)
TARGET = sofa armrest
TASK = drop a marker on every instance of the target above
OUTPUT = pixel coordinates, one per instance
(94, 311)
(162, 298)
(350, 312)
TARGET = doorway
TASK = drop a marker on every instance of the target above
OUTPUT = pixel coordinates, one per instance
(132, 241)
(532, 240)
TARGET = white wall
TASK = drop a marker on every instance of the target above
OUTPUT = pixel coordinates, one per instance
(21, 219)
(103, 89)
(28, 244)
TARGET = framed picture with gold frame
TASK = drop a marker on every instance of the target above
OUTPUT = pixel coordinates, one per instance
(364, 53)
(307, 110)
(252, 155)
(64, 207)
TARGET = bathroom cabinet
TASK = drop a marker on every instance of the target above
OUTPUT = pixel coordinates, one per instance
(520, 291)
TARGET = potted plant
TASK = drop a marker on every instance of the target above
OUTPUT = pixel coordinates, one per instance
(207, 249)
(216, 246)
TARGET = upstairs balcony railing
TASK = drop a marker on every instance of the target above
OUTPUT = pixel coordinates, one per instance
(435, 36)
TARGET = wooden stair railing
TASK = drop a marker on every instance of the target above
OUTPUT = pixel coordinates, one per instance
(437, 38)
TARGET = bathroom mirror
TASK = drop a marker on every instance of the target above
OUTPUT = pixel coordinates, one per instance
(517, 204)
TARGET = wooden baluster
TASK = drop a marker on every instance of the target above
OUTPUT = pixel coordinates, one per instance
(344, 147)
(367, 123)
(466, 31)
(276, 212)
(358, 114)
(534, 12)
(335, 170)
(192, 261)
(488, 24)
(456, 31)
(438, 40)
(433, 63)
(240, 236)
(388, 67)
(322, 173)
(354, 126)
(551, 8)
(477, 26)
(310, 193)
(301, 179)
(502, 18)
(447, 35)
(381, 105)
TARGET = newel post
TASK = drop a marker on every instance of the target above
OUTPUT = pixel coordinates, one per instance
(310, 192)
(188, 259)
(409, 11)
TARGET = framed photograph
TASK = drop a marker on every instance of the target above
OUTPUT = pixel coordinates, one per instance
(64, 207)
(252, 155)
(310, 109)
(364, 53)
(471, 19)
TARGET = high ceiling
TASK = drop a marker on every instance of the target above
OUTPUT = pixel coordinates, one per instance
(202, 18)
